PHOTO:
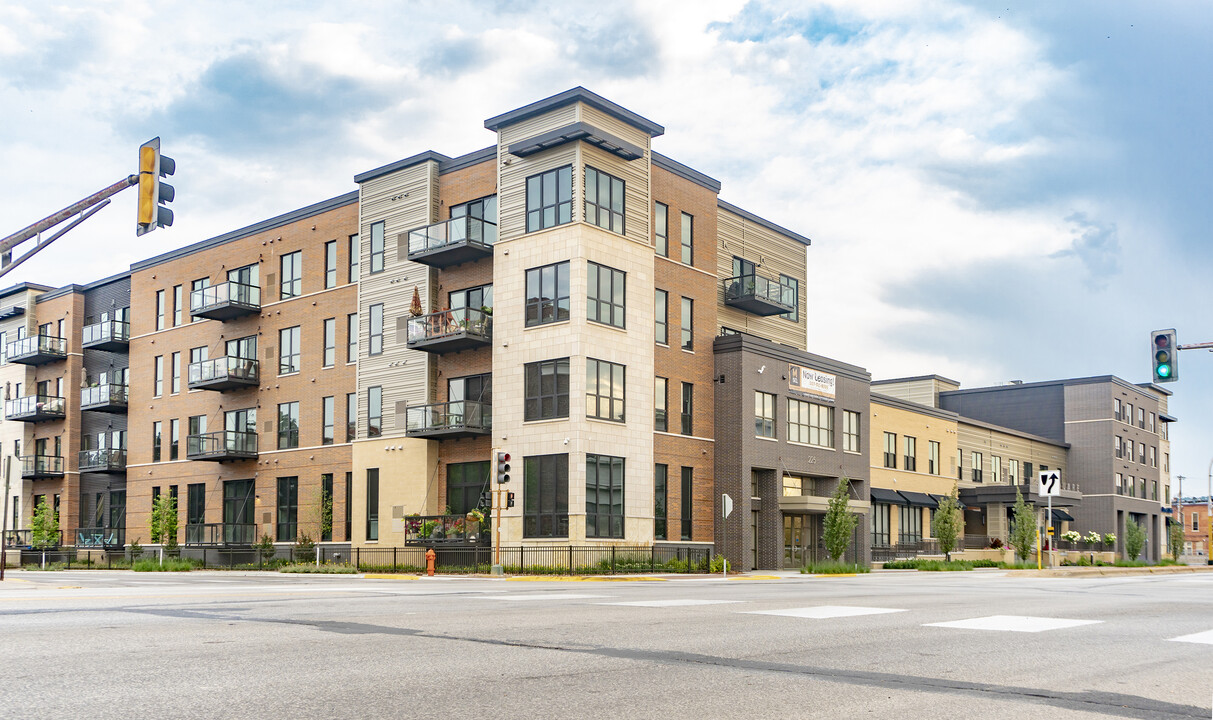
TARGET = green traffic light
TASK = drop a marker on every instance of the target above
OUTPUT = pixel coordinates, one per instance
(1164, 371)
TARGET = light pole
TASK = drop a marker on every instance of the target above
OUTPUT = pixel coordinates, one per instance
(1209, 517)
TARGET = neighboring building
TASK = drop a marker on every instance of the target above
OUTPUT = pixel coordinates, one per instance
(1196, 518)
(1114, 429)
(16, 316)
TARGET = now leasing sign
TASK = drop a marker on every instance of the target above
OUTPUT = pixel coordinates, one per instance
(811, 382)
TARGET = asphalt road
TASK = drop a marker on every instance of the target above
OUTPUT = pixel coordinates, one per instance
(908, 645)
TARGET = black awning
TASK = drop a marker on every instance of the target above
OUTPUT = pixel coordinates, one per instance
(940, 498)
(1062, 515)
(891, 497)
(917, 499)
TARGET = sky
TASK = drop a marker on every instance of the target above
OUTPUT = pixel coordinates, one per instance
(994, 192)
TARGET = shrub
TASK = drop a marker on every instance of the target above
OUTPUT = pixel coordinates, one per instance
(265, 546)
(948, 523)
(934, 565)
(717, 564)
(840, 522)
(1169, 561)
(833, 567)
(901, 565)
(304, 544)
(1023, 527)
(170, 565)
(44, 527)
(136, 549)
(985, 563)
(1135, 539)
(325, 569)
(1131, 563)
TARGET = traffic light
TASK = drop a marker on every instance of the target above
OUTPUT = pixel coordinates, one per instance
(486, 501)
(503, 468)
(509, 500)
(152, 192)
(1165, 348)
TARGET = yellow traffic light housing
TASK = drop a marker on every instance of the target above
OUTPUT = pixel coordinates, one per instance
(153, 193)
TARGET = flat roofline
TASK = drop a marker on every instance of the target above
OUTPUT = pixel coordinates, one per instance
(468, 160)
(22, 287)
(427, 156)
(685, 172)
(568, 97)
(900, 404)
(1092, 380)
(763, 222)
(915, 378)
(59, 292)
(277, 221)
(744, 342)
(1010, 431)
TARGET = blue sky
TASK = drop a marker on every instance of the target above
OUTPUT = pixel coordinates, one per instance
(994, 192)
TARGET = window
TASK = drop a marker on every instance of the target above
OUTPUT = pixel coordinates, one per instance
(377, 247)
(159, 310)
(792, 293)
(1116, 408)
(177, 302)
(195, 286)
(196, 425)
(686, 498)
(376, 330)
(661, 228)
(326, 507)
(156, 434)
(1127, 415)
(811, 423)
(607, 297)
(546, 390)
(351, 338)
(288, 350)
(292, 275)
(175, 367)
(1117, 445)
(603, 496)
(158, 376)
(1141, 418)
(995, 469)
(933, 457)
(880, 525)
(354, 251)
(545, 496)
(688, 239)
(1013, 471)
(349, 506)
(1195, 522)
(238, 507)
(464, 483)
(374, 411)
(603, 200)
(372, 503)
(764, 414)
(1153, 456)
(911, 454)
(850, 431)
(484, 208)
(288, 425)
(976, 457)
(288, 508)
(1129, 450)
(688, 407)
(1027, 472)
(327, 422)
(330, 341)
(174, 438)
(351, 416)
(661, 316)
(330, 264)
(890, 450)
(475, 298)
(688, 324)
(549, 199)
(604, 390)
(660, 496)
(547, 294)
(911, 525)
(195, 510)
(1141, 453)
(661, 391)
(1120, 488)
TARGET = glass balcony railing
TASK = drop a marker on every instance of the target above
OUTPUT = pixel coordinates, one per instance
(451, 330)
(106, 398)
(108, 335)
(223, 373)
(101, 537)
(36, 350)
(35, 408)
(453, 241)
(462, 418)
(35, 467)
(220, 533)
(221, 445)
(225, 301)
(104, 460)
(758, 295)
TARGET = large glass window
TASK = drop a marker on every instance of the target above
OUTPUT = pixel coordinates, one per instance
(879, 525)
(688, 489)
(793, 286)
(933, 457)
(688, 324)
(995, 468)
(976, 458)
(292, 275)
(288, 425)
(464, 484)
(288, 508)
(547, 294)
(372, 503)
(549, 199)
(354, 252)
(330, 341)
(661, 392)
(764, 414)
(688, 239)
(660, 495)
(607, 295)
(288, 350)
(910, 530)
(351, 337)
(174, 438)
(604, 390)
(328, 420)
(175, 373)
(661, 317)
(374, 411)
(546, 391)
(688, 408)
(911, 453)
(376, 330)
(810, 423)
(483, 209)
(603, 496)
(545, 496)
(850, 431)
(603, 200)
(178, 300)
(661, 228)
(351, 416)
(377, 249)
(195, 286)
(330, 264)
(238, 508)
(476, 298)
(157, 376)
(160, 310)
(326, 507)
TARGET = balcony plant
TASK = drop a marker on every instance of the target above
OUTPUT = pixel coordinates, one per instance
(475, 515)
(412, 523)
(1093, 538)
(1109, 539)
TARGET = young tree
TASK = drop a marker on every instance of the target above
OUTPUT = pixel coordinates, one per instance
(326, 515)
(1177, 540)
(840, 522)
(1135, 539)
(948, 522)
(44, 527)
(168, 521)
(1023, 527)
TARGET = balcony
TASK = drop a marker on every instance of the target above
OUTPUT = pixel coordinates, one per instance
(108, 398)
(41, 467)
(758, 295)
(36, 350)
(222, 445)
(458, 240)
(225, 301)
(460, 419)
(25, 539)
(111, 335)
(105, 460)
(220, 533)
(224, 373)
(451, 331)
(101, 537)
(445, 529)
(35, 408)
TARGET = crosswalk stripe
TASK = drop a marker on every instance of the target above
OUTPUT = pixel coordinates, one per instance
(1204, 638)
(1013, 623)
(824, 612)
(671, 603)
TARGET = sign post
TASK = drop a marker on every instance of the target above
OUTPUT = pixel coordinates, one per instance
(726, 509)
(8, 459)
(1048, 483)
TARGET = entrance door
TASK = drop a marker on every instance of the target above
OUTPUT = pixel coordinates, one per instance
(795, 540)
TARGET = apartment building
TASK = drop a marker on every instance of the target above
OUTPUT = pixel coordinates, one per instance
(16, 314)
(1194, 513)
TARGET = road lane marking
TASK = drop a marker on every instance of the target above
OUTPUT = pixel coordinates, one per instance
(1013, 623)
(825, 612)
(1204, 638)
(671, 603)
(541, 596)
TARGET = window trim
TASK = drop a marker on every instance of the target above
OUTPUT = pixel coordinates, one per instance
(613, 184)
(539, 303)
(379, 255)
(617, 312)
(615, 513)
(539, 209)
(687, 239)
(661, 228)
(557, 365)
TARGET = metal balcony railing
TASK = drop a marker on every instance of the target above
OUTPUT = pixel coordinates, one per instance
(451, 330)
(101, 537)
(443, 529)
(221, 445)
(225, 301)
(112, 335)
(463, 418)
(223, 373)
(104, 398)
(454, 241)
(35, 408)
(220, 533)
(758, 295)
(25, 539)
(38, 467)
(105, 460)
(36, 350)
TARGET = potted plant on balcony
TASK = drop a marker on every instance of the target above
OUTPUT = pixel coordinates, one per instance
(475, 515)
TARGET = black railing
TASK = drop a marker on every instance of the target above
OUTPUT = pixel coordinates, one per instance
(221, 444)
(100, 537)
(110, 395)
(103, 460)
(37, 347)
(35, 407)
(107, 332)
(465, 416)
(41, 466)
(760, 295)
(464, 230)
(230, 369)
(471, 323)
(444, 529)
(24, 539)
(976, 542)
(541, 559)
(220, 533)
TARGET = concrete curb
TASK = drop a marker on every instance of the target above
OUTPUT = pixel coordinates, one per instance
(1079, 571)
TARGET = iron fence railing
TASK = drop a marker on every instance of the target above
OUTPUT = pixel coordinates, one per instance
(221, 444)
(103, 459)
(220, 533)
(444, 529)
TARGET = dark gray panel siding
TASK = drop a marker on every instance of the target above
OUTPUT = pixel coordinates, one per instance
(1036, 410)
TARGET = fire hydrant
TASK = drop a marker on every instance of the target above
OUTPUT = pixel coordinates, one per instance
(430, 559)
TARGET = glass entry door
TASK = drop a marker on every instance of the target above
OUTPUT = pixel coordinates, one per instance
(801, 535)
